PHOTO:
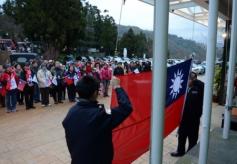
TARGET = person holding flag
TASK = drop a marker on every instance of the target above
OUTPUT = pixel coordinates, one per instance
(88, 126)
(189, 125)
(132, 138)
(27, 76)
(69, 79)
(35, 68)
(57, 83)
(20, 93)
(10, 81)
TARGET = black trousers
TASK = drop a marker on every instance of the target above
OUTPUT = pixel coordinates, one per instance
(71, 89)
(64, 91)
(29, 96)
(106, 86)
(20, 97)
(57, 93)
(44, 95)
(190, 133)
(2, 101)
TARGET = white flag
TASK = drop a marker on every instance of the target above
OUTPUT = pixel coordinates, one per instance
(35, 79)
(54, 81)
(136, 71)
(75, 79)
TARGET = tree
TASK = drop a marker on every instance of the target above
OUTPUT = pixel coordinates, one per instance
(8, 26)
(135, 44)
(57, 24)
(108, 34)
(128, 41)
(141, 44)
(101, 31)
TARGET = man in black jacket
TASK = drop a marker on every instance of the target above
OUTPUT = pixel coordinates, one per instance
(192, 112)
(57, 88)
(88, 126)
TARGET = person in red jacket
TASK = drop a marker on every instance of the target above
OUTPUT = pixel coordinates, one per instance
(106, 75)
(10, 80)
(2, 88)
(70, 78)
(88, 68)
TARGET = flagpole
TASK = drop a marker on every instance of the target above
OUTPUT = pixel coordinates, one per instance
(160, 51)
(121, 10)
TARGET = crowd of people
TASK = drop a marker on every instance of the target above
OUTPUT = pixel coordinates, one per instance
(37, 80)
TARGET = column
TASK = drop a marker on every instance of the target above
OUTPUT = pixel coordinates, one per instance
(211, 58)
(231, 72)
(160, 51)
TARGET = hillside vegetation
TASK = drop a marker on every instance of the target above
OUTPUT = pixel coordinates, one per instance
(178, 47)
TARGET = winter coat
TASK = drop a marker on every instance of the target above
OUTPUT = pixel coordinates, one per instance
(118, 71)
(59, 74)
(28, 78)
(89, 128)
(44, 78)
(106, 73)
(2, 86)
(193, 106)
(6, 80)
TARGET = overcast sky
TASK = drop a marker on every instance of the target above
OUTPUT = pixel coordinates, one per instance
(136, 13)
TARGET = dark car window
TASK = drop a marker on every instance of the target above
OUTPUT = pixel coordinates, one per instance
(22, 58)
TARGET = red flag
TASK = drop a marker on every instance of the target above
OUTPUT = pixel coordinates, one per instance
(21, 85)
(68, 81)
(132, 138)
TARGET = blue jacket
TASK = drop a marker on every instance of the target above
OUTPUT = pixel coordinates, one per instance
(89, 128)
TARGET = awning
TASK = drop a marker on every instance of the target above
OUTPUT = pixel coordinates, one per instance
(197, 10)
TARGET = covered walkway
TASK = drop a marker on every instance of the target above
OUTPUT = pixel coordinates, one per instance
(214, 14)
(220, 151)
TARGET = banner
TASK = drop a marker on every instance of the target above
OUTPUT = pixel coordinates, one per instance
(132, 138)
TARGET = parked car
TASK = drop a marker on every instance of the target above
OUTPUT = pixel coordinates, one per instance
(118, 59)
(125, 59)
(219, 61)
(22, 58)
(171, 62)
(84, 59)
(110, 58)
(203, 64)
(198, 69)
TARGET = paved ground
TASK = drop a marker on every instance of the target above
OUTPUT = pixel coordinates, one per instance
(217, 146)
(170, 142)
(37, 136)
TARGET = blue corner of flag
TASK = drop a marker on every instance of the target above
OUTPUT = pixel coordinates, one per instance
(177, 81)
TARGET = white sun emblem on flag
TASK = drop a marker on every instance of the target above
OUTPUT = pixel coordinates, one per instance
(177, 84)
